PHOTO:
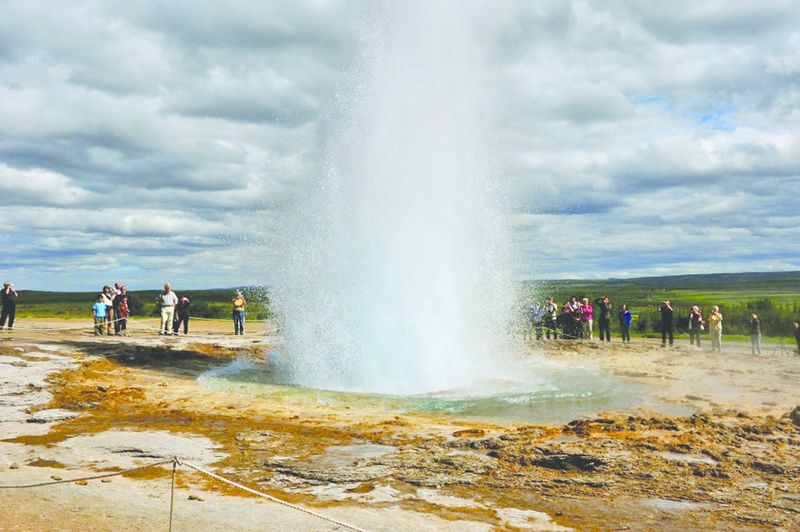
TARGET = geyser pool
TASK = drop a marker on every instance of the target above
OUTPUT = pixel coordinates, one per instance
(394, 274)
(545, 392)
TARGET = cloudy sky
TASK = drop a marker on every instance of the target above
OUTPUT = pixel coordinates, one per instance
(146, 141)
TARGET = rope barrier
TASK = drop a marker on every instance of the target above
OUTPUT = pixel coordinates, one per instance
(176, 462)
(76, 328)
(555, 330)
(94, 477)
(270, 497)
(90, 327)
(172, 492)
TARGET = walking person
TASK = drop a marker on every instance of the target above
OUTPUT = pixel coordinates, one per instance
(604, 318)
(695, 325)
(166, 301)
(550, 318)
(625, 323)
(122, 312)
(181, 316)
(9, 300)
(755, 335)
(667, 328)
(587, 318)
(99, 313)
(715, 327)
(239, 304)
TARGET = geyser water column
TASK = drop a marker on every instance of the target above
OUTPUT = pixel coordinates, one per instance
(394, 275)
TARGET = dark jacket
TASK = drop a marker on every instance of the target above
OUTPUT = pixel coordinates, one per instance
(603, 309)
(695, 320)
(666, 315)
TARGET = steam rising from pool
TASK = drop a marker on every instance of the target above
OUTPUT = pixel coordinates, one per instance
(395, 275)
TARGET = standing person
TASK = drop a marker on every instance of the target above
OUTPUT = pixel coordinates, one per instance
(625, 323)
(9, 299)
(122, 311)
(666, 323)
(695, 325)
(166, 301)
(755, 335)
(576, 316)
(108, 299)
(181, 316)
(571, 318)
(527, 327)
(114, 306)
(535, 318)
(550, 318)
(796, 332)
(566, 320)
(604, 318)
(239, 305)
(99, 313)
(715, 326)
(587, 318)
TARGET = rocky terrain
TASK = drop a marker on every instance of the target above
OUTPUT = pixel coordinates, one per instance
(71, 405)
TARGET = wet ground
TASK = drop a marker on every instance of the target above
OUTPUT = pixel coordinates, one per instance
(732, 462)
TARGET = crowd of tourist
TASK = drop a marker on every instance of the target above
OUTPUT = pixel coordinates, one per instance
(112, 309)
(575, 319)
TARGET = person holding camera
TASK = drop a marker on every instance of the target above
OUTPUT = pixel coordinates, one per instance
(9, 299)
(603, 306)
(667, 328)
(695, 325)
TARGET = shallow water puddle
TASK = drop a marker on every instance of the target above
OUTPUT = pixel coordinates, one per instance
(689, 458)
(668, 504)
(345, 455)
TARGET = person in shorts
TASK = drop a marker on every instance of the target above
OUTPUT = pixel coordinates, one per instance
(99, 311)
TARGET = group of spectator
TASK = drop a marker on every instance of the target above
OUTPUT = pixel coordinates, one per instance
(575, 319)
(697, 324)
(112, 307)
(174, 311)
(111, 311)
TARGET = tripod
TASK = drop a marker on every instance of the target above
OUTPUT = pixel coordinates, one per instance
(781, 347)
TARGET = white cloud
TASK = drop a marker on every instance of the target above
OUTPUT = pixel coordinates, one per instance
(632, 137)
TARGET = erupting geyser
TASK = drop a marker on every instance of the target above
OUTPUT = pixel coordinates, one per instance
(395, 274)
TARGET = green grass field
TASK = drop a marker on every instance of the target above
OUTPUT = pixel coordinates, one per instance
(774, 296)
(717, 289)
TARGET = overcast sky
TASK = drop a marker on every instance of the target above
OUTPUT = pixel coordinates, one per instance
(151, 141)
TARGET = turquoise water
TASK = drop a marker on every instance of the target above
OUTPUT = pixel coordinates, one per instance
(542, 392)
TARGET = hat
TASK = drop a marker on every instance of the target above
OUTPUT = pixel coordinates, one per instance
(7, 283)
